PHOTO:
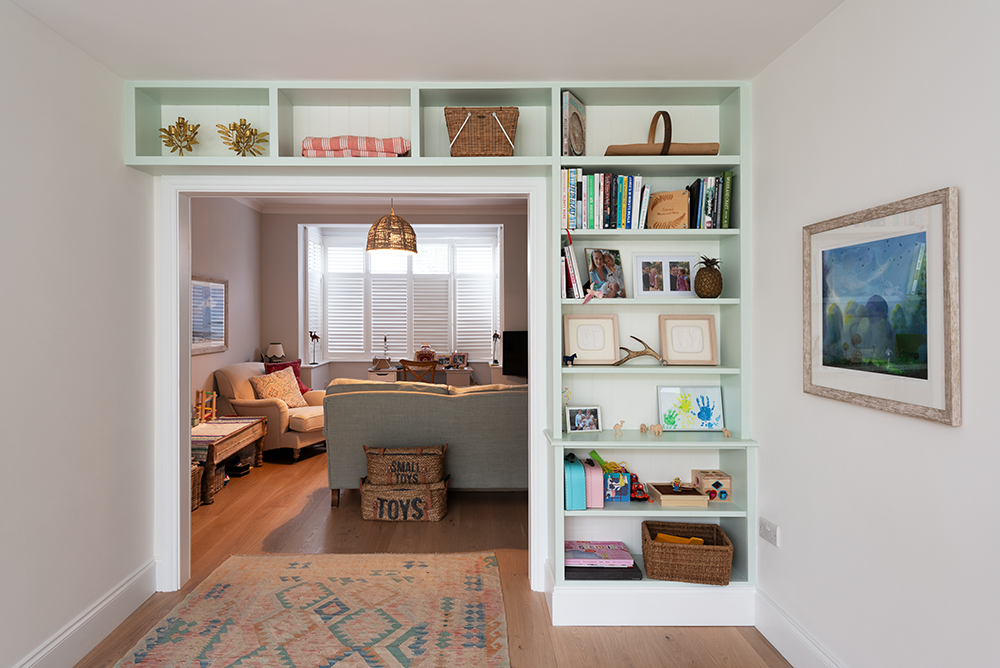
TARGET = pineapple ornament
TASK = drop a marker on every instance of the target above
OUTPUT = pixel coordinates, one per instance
(708, 280)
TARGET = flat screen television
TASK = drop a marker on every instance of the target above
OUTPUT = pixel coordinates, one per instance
(515, 354)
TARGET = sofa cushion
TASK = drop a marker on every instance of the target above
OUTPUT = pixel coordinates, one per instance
(278, 385)
(341, 385)
(306, 418)
(294, 365)
(473, 389)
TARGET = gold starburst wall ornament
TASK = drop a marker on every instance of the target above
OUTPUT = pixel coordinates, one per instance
(242, 138)
(180, 137)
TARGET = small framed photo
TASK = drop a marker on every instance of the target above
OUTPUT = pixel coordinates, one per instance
(664, 276)
(444, 360)
(605, 269)
(583, 418)
(688, 339)
(459, 360)
(691, 408)
(592, 338)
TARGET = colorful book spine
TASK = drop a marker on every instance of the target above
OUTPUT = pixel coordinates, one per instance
(612, 554)
(622, 196)
(727, 198)
(590, 201)
(564, 193)
(644, 207)
(629, 199)
(637, 202)
(572, 194)
(708, 216)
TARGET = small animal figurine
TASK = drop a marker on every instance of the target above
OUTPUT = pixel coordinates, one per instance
(727, 433)
(643, 428)
(656, 430)
(618, 429)
(568, 359)
(677, 484)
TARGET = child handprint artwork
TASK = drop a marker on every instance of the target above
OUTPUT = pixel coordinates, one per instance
(706, 408)
(691, 409)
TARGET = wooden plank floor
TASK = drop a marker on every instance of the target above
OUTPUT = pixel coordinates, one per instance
(285, 508)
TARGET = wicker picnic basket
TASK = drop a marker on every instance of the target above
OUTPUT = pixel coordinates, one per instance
(404, 503)
(197, 470)
(710, 563)
(481, 131)
(407, 466)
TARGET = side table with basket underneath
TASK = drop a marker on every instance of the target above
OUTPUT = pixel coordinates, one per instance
(216, 441)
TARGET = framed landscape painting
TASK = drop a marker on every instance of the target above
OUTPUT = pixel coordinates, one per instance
(880, 307)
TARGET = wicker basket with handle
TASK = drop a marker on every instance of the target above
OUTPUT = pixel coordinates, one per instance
(481, 131)
(197, 471)
(710, 563)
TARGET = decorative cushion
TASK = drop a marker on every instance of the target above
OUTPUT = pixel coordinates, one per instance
(294, 365)
(278, 385)
(309, 418)
(487, 388)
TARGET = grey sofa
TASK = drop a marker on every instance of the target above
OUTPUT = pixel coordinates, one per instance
(485, 427)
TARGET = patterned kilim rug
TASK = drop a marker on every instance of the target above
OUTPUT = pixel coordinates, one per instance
(324, 610)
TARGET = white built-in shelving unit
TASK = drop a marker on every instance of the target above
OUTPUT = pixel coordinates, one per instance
(617, 113)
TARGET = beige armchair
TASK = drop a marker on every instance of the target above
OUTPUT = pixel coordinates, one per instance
(293, 428)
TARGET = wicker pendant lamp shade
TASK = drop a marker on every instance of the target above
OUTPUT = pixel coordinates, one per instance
(392, 233)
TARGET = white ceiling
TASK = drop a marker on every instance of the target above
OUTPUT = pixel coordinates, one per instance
(433, 40)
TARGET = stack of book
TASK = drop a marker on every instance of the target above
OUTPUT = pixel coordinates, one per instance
(603, 201)
(711, 202)
(572, 286)
(600, 560)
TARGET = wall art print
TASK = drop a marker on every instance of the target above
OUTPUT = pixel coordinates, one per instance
(880, 307)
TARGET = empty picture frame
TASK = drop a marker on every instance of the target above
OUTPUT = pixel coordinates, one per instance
(209, 315)
(592, 338)
(688, 339)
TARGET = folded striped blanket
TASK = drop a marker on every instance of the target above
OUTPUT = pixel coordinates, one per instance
(348, 153)
(392, 145)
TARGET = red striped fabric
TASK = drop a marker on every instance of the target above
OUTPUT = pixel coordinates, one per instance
(391, 145)
(348, 153)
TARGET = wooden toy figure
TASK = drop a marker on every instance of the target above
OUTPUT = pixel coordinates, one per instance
(618, 429)
(656, 430)
(677, 484)
(642, 428)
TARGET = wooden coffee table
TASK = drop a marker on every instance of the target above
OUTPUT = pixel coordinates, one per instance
(216, 441)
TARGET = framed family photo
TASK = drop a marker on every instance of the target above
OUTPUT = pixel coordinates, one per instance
(459, 360)
(664, 276)
(604, 267)
(880, 308)
(581, 419)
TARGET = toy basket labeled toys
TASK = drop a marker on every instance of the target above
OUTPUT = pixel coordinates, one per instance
(481, 131)
(196, 473)
(710, 563)
(404, 503)
(405, 466)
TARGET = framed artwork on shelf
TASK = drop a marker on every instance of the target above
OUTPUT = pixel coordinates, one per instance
(583, 418)
(209, 315)
(880, 308)
(592, 338)
(664, 276)
(444, 360)
(688, 339)
(459, 360)
(605, 269)
(691, 408)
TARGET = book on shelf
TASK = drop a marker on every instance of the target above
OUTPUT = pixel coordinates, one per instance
(571, 190)
(564, 191)
(644, 206)
(562, 275)
(574, 285)
(574, 125)
(607, 573)
(708, 217)
(727, 198)
(599, 554)
(710, 202)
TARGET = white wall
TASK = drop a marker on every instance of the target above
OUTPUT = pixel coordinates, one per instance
(889, 541)
(225, 244)
(76, 321)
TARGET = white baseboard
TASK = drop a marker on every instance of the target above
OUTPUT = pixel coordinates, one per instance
(71, 643)
(626, 604)
(794, 643)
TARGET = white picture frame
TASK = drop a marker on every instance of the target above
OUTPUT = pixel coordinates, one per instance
(664, 275)
(583, 419)
(690, 408)
(592, 338)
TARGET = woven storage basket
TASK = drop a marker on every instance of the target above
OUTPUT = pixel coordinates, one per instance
(710, 563)
(404, 503)
(220, 478)
(197, 471)
(407, 466)
(477, 131)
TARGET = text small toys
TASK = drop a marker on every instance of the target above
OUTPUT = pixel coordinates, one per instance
(716, 485)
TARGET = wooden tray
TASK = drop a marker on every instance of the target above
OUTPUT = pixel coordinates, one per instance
(664, 494)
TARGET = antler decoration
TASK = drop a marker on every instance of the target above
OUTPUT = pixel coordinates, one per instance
(639, 353)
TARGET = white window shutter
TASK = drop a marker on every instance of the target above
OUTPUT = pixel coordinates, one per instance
(432, 312)
(390, 313)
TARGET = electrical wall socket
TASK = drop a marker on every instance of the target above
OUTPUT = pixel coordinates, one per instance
(768, 530)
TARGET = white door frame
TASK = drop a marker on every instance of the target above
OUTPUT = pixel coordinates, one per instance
(172, 346)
